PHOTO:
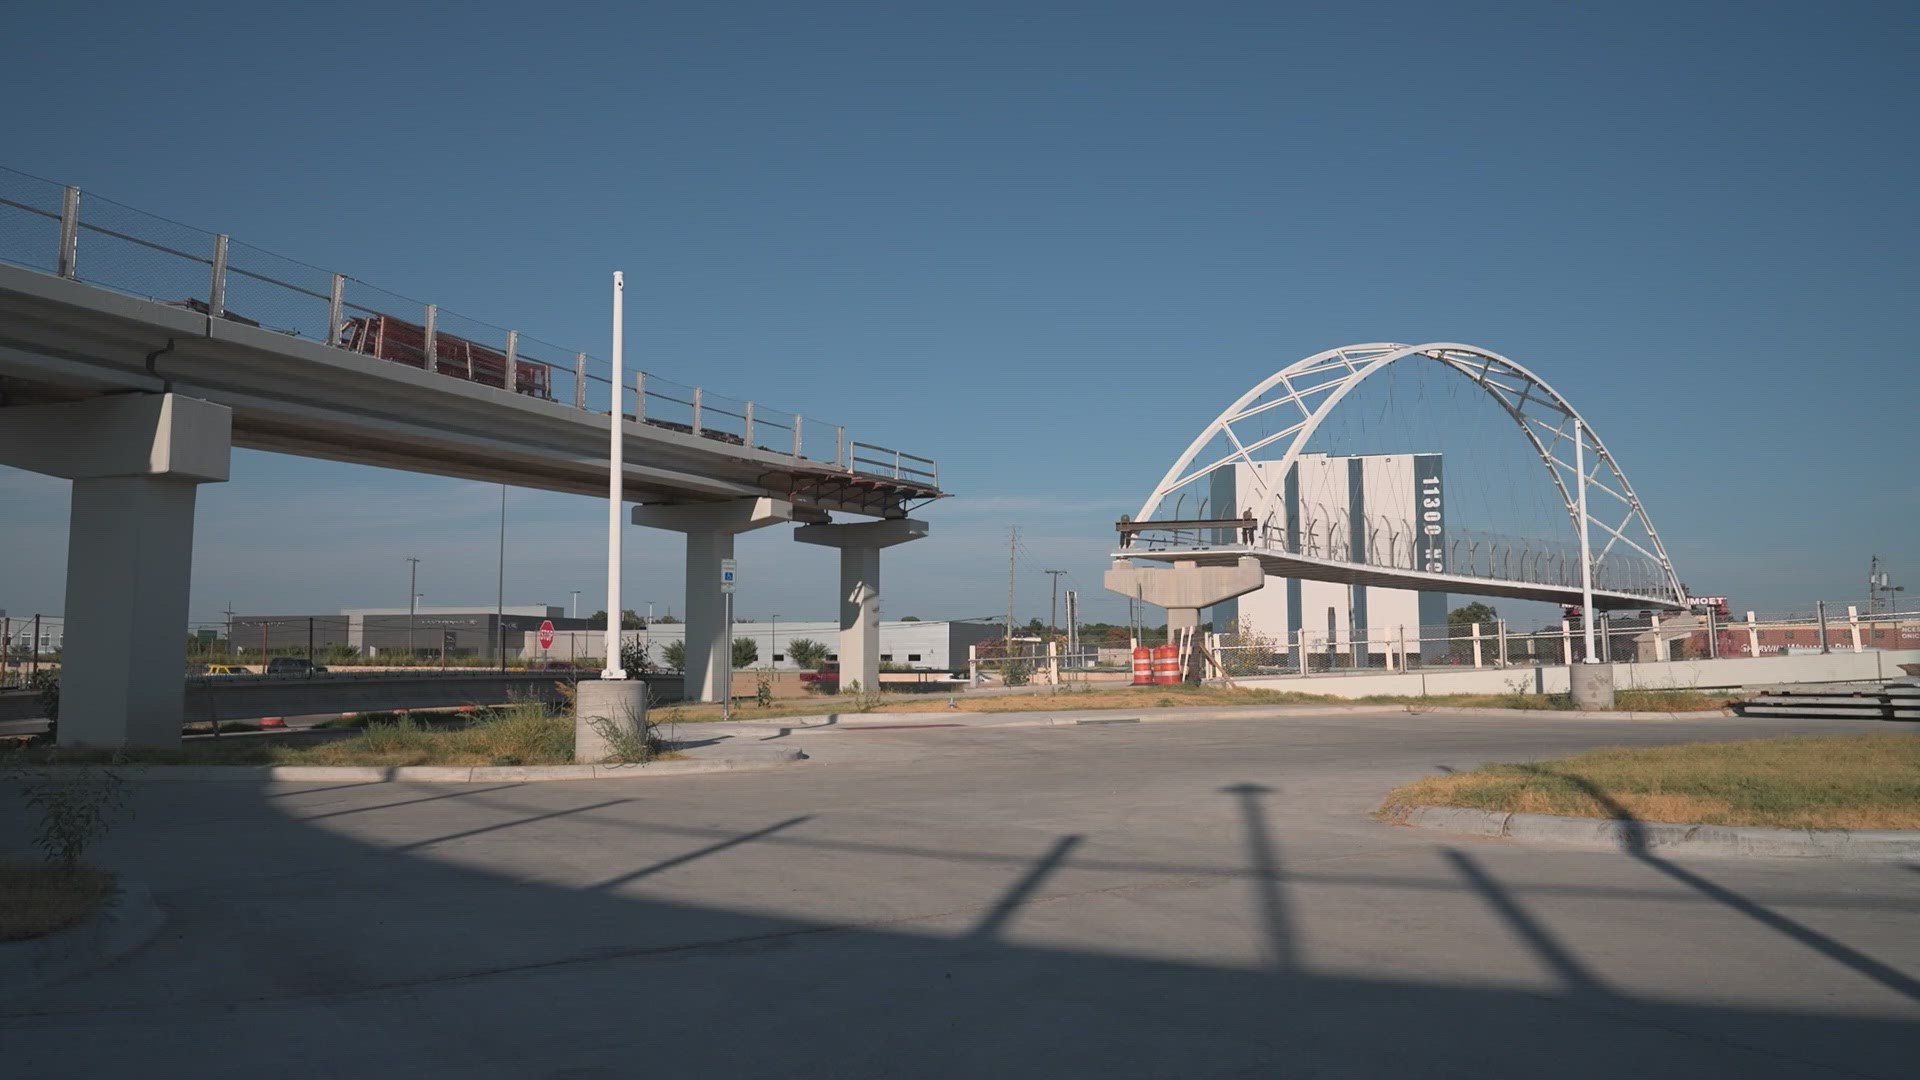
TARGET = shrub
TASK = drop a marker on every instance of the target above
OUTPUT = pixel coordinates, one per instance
(745, 652)
(75, 805)
(807, 652)
(674, 654)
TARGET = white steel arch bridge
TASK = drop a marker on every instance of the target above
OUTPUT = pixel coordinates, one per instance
(1631, 565)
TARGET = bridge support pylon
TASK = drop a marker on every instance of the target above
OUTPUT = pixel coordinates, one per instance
(136, 462)
(1186, 587)
(860, 545)
(710, 529)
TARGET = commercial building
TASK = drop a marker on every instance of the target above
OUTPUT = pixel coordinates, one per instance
(1388, 509)
(907, 645)
(425, 631)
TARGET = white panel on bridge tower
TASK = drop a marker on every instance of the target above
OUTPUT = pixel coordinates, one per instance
(1321, 504)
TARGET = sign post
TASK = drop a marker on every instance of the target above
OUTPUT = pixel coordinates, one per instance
(728, 569)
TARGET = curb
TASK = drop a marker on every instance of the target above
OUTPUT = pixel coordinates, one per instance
(1640, 837)
(463, 774)
(130, 920)
(1146, 715)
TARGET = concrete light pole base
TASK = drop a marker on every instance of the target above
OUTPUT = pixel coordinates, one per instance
(1592, 686)
(603, 707)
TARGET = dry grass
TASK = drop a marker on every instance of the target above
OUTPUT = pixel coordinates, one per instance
(1799, 782)
(36, 898)
(515, 735)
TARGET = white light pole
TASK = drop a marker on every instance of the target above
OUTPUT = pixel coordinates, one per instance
(615, 469)
(1586, 552)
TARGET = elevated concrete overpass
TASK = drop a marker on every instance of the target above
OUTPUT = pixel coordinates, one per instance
(136, 385)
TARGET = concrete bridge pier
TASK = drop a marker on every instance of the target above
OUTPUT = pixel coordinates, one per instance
(1185, 587)
(710, 529)
(136, 461)
(860, 546)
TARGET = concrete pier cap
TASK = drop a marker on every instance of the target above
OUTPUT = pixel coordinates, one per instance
(1186, 586)
(710, 528)
(860, 544)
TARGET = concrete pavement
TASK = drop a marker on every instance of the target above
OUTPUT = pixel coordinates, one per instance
(1192, 899)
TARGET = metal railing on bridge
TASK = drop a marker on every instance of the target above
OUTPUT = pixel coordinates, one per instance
(1395, 544)
(47, 227)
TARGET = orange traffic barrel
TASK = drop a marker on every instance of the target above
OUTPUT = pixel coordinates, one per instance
(1142, 666)
(1166, 664)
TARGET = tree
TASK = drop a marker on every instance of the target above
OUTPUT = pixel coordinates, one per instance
(629, 620)
(1467, 614)
(745, 652)
(909, 618)
(1116, 637)
(807, 652)
(674, 655)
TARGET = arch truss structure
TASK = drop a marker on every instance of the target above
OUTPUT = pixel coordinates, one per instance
(1275, 420)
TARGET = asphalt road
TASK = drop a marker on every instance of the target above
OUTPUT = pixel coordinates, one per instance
(1201, 899)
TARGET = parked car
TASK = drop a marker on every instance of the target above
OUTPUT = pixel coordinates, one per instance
(293, 665)
(225, 669)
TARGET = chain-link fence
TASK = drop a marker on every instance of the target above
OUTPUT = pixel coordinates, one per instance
(57, 230)
(1639, 637)
(29, 646)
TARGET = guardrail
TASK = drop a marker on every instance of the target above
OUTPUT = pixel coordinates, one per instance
(117, 247)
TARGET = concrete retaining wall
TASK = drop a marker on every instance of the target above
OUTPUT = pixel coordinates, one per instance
(1839, 667)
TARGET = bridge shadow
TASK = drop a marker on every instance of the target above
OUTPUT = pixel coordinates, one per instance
(297, 948)
(1641, 850)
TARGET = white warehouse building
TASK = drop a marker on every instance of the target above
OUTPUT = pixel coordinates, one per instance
(1364, 508)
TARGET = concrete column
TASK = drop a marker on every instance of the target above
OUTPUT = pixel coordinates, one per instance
(860, 545)
(605, 712)
(710, 529)
(1592, 686)
(1185, 587)
(135, 461)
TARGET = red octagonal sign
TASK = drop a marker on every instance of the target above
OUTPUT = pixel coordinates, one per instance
(546, 633)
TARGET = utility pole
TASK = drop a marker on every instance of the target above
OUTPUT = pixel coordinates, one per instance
(616, 477)
(1053, 611)
(229, 632)
(500, 587)
(1013, 541)
(413, 570)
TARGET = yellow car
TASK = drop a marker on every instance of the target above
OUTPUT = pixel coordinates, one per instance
(226, 669)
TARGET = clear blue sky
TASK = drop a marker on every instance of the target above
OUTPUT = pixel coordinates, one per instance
(1044, 243)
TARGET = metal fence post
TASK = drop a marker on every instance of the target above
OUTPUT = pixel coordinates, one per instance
(432, 358)
(1606, 638)
(336, 308)
(1713, 635)
(1300, 649)
(1853, 625)
(1476, 646)
(511, 376)
(746, 429)
(580, 380)
(696, 410)
(840, 447)
(1753, 636)
(1404, 664)
(217, 289)
(798, 446)
(1659, 644)
(69, 260)
(1501, 628)
(1566, 642)
(1820, 609)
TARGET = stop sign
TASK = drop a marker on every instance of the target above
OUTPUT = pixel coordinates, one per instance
(546, 633)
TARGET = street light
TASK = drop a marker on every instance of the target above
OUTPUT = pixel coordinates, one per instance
(413, 569)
